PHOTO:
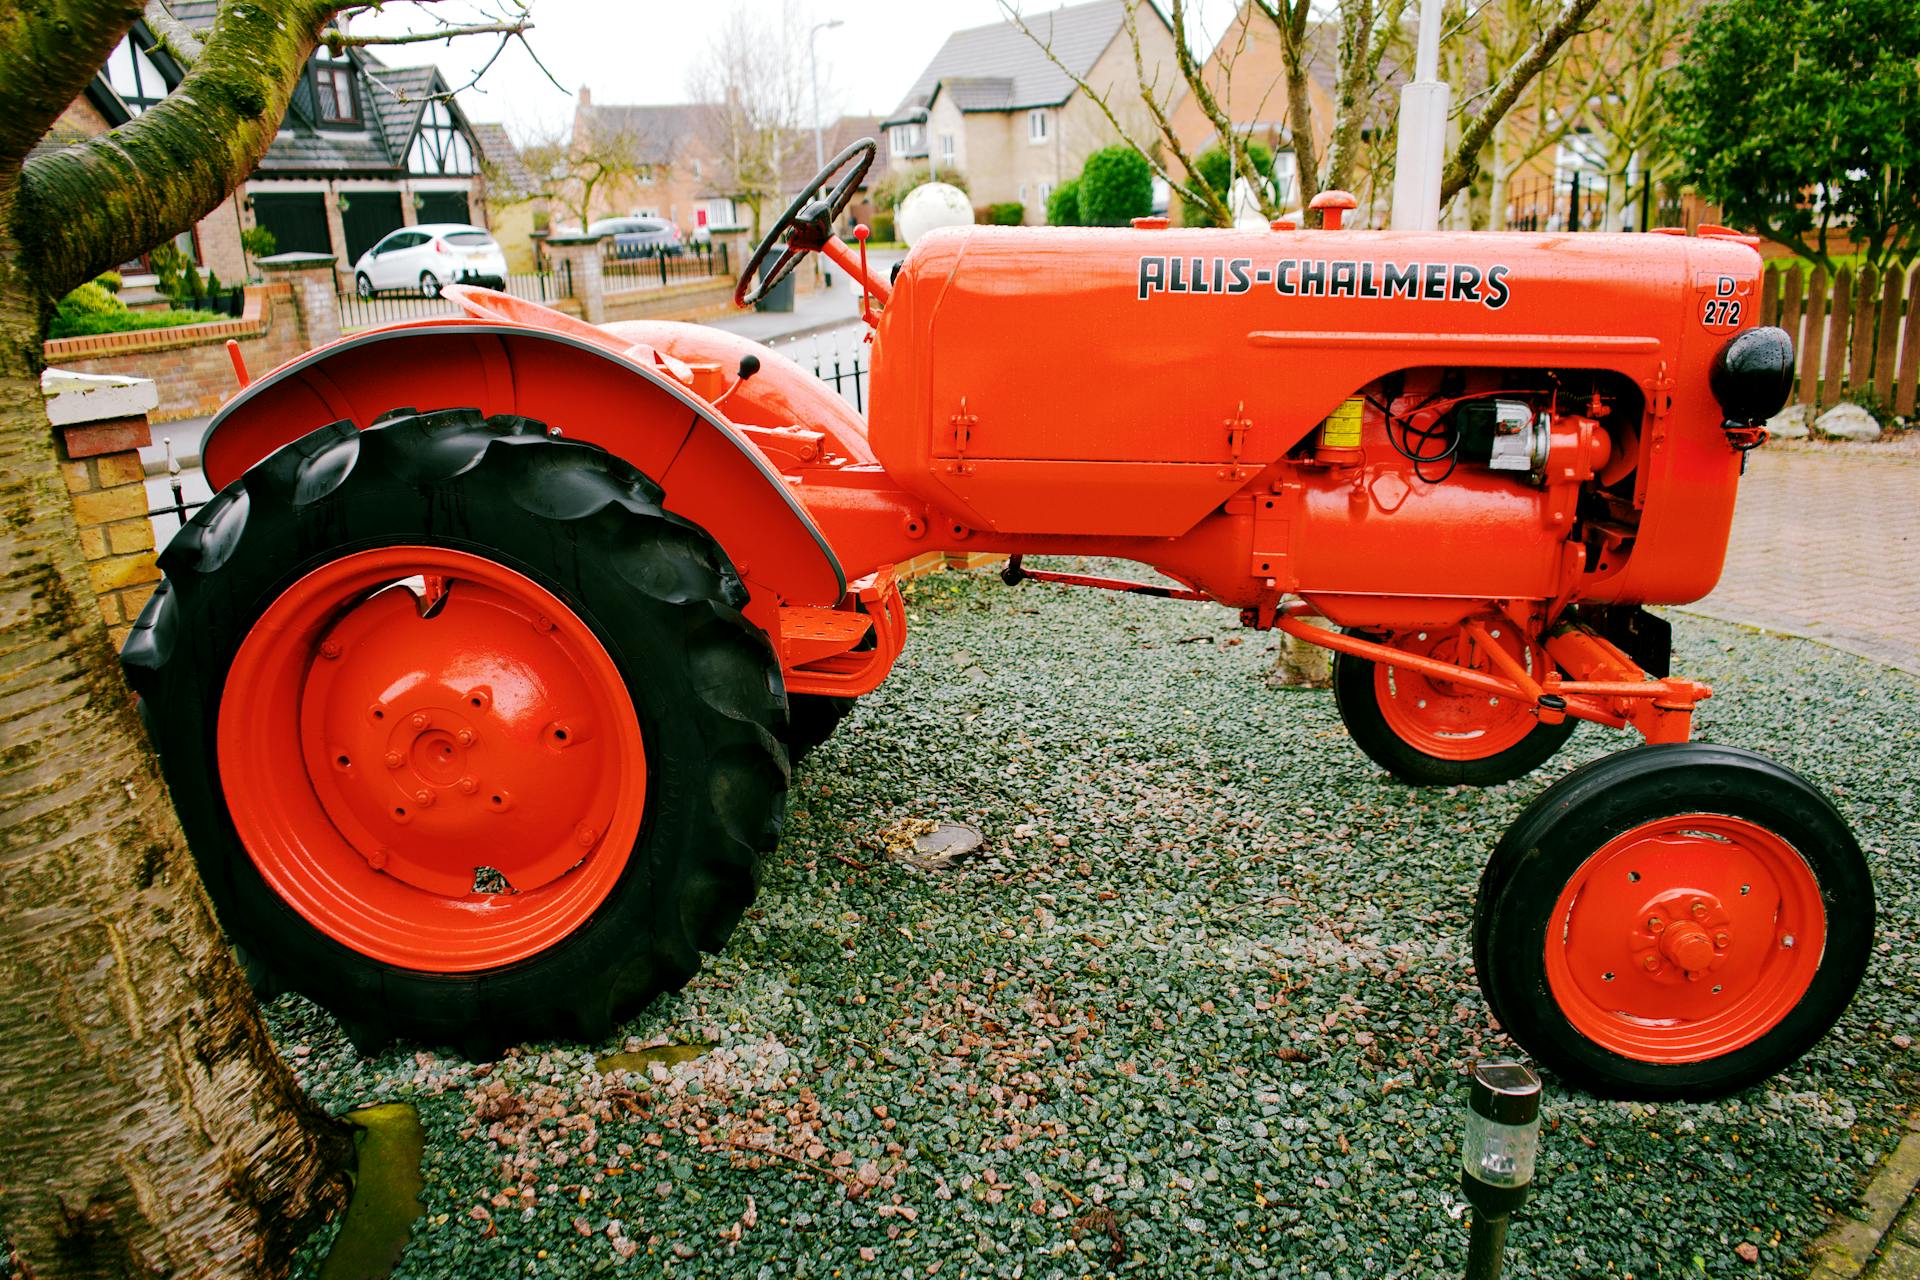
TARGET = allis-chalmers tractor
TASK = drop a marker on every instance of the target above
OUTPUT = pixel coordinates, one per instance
(477, 681)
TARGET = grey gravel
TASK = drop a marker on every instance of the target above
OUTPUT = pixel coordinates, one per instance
(1199, 1005)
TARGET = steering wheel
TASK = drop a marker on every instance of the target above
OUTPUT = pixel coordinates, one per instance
(807, 223)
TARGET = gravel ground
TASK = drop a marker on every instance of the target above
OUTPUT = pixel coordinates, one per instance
(1201, 1004)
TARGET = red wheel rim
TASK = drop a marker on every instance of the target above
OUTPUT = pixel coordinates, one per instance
(1451, 721)
(1685, 938)
(431, 758)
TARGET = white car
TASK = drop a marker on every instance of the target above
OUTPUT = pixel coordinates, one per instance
(425, 257)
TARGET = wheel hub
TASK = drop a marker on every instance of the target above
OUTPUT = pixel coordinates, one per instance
(1682, 935)
(432, 758)
(459, 712)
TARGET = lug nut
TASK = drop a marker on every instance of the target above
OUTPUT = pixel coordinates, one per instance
(377, 859)
(395, 759)
(1655, 924)
(1722, 941)
(464, 737)
(586, 836)
(468, 785)
(329, 648)
(1651, 962)
(1699, 910)
(423, 798)
(420, 720)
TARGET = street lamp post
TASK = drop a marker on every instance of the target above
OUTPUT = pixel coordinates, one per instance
(819, 143)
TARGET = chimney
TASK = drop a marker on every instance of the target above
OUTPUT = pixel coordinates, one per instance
(586, 96)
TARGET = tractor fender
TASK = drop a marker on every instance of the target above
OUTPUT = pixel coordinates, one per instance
(590, 390)
(781, 394)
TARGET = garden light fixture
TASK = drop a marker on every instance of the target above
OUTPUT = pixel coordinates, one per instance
(1503, 1137)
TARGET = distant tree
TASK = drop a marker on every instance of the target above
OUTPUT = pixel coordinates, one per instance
(1116, 186)
(1215, 168)
(752, 79)
(1063, 206)
(1799, 117)
(602, 152)
(891, 189)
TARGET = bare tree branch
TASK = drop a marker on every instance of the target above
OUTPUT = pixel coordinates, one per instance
(336, 39)
(172, 34)
(1465, 163)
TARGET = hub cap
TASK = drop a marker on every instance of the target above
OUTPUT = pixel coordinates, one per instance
(431, 758)
(1685, 938)
(1451, 721)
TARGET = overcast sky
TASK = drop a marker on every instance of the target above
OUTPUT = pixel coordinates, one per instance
(640, 51)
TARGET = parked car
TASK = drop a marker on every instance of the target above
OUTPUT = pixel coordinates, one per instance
(425, 257)
(640, 237)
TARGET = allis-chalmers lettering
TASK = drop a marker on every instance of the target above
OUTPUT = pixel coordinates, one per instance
(1329, 278)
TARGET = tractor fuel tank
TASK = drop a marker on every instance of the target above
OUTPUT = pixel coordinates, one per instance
(1128, 382)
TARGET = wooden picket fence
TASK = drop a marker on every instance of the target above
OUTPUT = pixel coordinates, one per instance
(1859, 330)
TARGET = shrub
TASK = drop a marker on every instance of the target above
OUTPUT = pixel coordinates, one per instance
(1006, 213)
(82, 325)
(90, 299)
(882, 225)
(258, 242)
(1116, 186)
(108, 280)
(1063, 206)
(1215, 166)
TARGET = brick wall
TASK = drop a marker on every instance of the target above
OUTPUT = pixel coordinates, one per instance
(99, 425)
(190, 364)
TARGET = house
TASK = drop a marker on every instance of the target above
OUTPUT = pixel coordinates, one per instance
(363, 149)
(671, 155)
(834, 139)
(994, 106)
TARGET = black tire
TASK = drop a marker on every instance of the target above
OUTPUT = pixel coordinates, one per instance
(362, 286)
(1355, 692)
(812, 718)
(657, 593)
(429, 285)
(1578, 816)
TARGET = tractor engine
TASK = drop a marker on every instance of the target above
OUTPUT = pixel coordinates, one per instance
(1329, 414)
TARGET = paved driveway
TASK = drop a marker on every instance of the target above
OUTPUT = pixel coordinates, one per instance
(1826, 545)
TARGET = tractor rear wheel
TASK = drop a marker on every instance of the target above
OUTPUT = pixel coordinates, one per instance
(1674, 921)
(1433, 732)
(467, 733)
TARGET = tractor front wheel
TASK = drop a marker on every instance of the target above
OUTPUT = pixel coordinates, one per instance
(467, 733)
(1676, 921)
(1434, 732)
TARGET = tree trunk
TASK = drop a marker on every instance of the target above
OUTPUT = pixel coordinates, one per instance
(151, 1128)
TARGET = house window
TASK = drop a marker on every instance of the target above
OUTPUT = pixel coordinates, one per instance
(906, 138)
(333, 89)
(133, 76)
(440, 147)
(946, 148)
(1038, 122)
(1046, 192)
(1023, 193)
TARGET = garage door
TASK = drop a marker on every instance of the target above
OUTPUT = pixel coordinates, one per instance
(444, 206)
(298, 222)
(368, 216)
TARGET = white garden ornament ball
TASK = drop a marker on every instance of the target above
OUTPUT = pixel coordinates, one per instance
(929, 206)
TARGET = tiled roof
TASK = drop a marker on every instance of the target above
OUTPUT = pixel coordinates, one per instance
(507, 172)
(658, 132)
(980, 93)
(1002, 53)
(835, 138)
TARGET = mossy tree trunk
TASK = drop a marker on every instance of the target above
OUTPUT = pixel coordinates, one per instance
(150, 1128)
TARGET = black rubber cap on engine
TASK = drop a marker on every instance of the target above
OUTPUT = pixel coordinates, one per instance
(1753, 374)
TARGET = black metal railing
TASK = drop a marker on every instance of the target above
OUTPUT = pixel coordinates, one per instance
(1584, 201)
(702, 261)
(395, 306)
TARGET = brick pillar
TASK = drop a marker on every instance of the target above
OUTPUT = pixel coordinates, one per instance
(314, 295)
(99, 425)
(584, 254)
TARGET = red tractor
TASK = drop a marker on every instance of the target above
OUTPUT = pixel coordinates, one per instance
(477, 682)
